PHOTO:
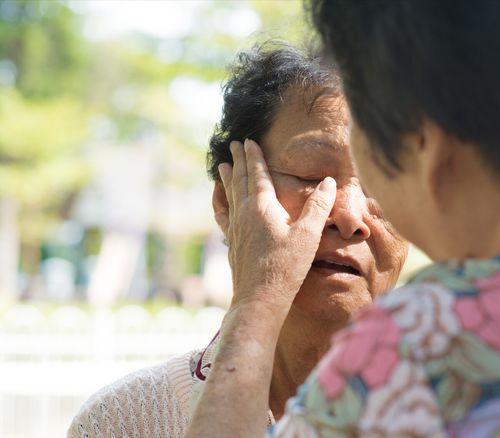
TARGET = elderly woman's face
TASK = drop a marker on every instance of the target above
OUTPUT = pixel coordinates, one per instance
(360, 254)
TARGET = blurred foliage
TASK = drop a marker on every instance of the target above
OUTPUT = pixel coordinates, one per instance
(62, 93)
(43, 74)
(285, 20)
(193, 254)
(38, 147)
(43, 59)
(41, 38)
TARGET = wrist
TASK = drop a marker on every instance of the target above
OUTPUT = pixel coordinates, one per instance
(260, 312)
(251, 329)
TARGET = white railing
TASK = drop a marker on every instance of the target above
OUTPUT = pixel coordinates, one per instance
(50, 364)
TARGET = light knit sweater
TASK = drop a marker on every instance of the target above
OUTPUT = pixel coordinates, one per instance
(155, 402)
(150, 403)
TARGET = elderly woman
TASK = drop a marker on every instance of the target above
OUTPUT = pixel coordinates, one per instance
(421, 79)
(294, 107)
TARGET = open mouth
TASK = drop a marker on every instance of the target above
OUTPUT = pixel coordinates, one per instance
(335, 267)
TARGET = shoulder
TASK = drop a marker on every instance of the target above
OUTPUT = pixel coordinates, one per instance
(426, 318)
(375, 361)
(149, 402)
(417, 359)
(423, 358)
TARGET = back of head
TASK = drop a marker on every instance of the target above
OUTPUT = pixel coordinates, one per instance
(253, 93)
(405, 60)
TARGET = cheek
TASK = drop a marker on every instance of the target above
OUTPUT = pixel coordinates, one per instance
(388, 192)
(378, 186)
(389, 250)
(391, 202)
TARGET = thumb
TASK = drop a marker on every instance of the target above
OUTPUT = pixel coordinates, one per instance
(318, 206)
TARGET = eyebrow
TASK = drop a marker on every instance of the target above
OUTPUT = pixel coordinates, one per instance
(297, 145)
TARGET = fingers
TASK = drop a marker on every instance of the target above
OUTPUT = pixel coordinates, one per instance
(250, 174)
(226, 175)
(259, 178)
(318, 206)
(240, 178)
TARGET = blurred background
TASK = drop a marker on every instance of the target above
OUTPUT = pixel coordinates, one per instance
(109, 257)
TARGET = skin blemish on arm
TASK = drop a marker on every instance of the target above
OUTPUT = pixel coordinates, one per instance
(231, 367)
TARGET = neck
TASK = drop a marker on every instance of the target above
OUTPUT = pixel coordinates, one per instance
(302, 342)
(477, 234)
(472, 221)
(484, 224)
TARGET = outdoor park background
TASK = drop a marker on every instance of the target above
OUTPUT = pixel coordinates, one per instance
(110, 259)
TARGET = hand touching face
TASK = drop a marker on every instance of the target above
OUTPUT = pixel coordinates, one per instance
(270, 254)
(359, 254)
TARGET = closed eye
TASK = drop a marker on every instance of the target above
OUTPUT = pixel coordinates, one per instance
(310, 181)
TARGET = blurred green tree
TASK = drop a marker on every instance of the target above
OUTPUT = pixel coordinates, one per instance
(136, 80)
(43, 61)
(41, 41)
(54, 82)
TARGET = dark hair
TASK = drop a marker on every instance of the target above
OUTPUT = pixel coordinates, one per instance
(254, 92)
(405, 60)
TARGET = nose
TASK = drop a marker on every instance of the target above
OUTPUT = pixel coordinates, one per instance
(348, 213)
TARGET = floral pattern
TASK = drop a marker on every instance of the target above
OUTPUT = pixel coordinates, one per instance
(481, 314)
(404, 406)
(424, 314)
(369, 348)
(424, 361)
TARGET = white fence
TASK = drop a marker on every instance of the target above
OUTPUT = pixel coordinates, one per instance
(50, 364)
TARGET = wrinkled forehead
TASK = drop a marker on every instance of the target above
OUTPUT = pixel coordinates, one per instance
(320, 100)
(314, 119)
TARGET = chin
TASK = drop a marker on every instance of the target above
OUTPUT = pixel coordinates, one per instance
(331, 301)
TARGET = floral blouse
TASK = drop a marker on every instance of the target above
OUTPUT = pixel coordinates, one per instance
(424, 361)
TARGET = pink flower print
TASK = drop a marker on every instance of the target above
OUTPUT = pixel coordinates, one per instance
(330, 380)
(489, 284)
(405, 406)
(481, 314)
(369, 348)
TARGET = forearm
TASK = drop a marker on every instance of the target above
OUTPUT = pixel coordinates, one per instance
(235, 400)
(270, 256)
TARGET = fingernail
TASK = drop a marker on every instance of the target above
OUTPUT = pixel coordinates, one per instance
(247, 143)
(327, 185)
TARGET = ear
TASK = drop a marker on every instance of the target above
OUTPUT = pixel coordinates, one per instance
(436, 162)
(220, 206)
